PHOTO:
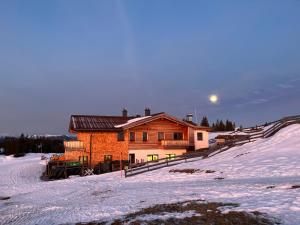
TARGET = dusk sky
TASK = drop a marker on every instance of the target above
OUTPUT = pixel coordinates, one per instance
(59, 58)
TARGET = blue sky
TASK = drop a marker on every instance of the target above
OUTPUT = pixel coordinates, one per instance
(59, 58)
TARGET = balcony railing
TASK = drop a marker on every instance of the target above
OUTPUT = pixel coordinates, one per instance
(73, 145)
(175, 143)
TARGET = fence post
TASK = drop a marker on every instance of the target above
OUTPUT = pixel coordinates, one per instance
(65, 170)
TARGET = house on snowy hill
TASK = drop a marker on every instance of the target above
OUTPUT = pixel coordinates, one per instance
(133, 138)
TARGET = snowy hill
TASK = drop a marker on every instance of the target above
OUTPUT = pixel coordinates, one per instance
(257, 175)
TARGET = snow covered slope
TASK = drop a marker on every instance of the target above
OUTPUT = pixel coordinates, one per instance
(257, 175)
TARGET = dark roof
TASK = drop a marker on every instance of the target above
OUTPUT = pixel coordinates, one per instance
(96, 123)
(109, 123)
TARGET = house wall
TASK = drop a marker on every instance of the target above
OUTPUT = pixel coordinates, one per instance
(152, 128)
(103, 143)
(74, 155)
(191, 136)
(141, 154)
(201, 144)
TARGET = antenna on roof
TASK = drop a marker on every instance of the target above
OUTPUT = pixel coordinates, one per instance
(196, 116)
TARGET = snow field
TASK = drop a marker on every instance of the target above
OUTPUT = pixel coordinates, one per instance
(249, 171)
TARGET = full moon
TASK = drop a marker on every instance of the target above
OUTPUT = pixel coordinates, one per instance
(213, 99)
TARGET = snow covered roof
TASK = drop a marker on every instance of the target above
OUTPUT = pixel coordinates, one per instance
(132, 121)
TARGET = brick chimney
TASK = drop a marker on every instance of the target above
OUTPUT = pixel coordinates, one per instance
(147, 112)
(124, 112)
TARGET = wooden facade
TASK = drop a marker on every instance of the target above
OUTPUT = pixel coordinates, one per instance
(164, 126)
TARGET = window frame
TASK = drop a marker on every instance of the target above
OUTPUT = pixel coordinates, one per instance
(145, 139)
(83, 159)
(198, 136)
(130, 137)
(122, 137)
(163, 134)
(178, 139)
(152, 156)
(170, 156)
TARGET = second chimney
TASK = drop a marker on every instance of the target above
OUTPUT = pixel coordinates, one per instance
(124, 112)
(147, 112)
(189, 117)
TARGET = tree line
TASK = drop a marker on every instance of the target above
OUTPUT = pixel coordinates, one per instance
(28, 144)
(219, 125)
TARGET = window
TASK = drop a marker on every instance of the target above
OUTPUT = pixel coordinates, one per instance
(145, 136)
(107, 158)
(83, 159)
(121, 136)
(160, 136)
(132, 136)
(178, 136)
(199, 136)
(170, 156)
(152, 157)
(132, 158)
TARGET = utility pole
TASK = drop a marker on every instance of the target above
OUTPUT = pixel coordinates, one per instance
(121, 163)
(91, 151)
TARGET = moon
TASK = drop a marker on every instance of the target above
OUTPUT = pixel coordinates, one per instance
(213, 99)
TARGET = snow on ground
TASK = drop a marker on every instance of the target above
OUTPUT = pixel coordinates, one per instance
(248, 173)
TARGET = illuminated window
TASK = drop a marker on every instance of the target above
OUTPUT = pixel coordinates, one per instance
(170, 156)
(107, 158)
(83, 159)
(152, 157)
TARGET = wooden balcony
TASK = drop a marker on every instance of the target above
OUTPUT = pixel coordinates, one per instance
(175, 143)
(74, 146)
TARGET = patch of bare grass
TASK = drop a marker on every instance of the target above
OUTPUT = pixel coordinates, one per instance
(210, 171)
(241, 155)
(204, 214)
(271, 187)
(189, 171)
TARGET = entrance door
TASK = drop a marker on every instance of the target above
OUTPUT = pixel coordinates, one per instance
(131, 158)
